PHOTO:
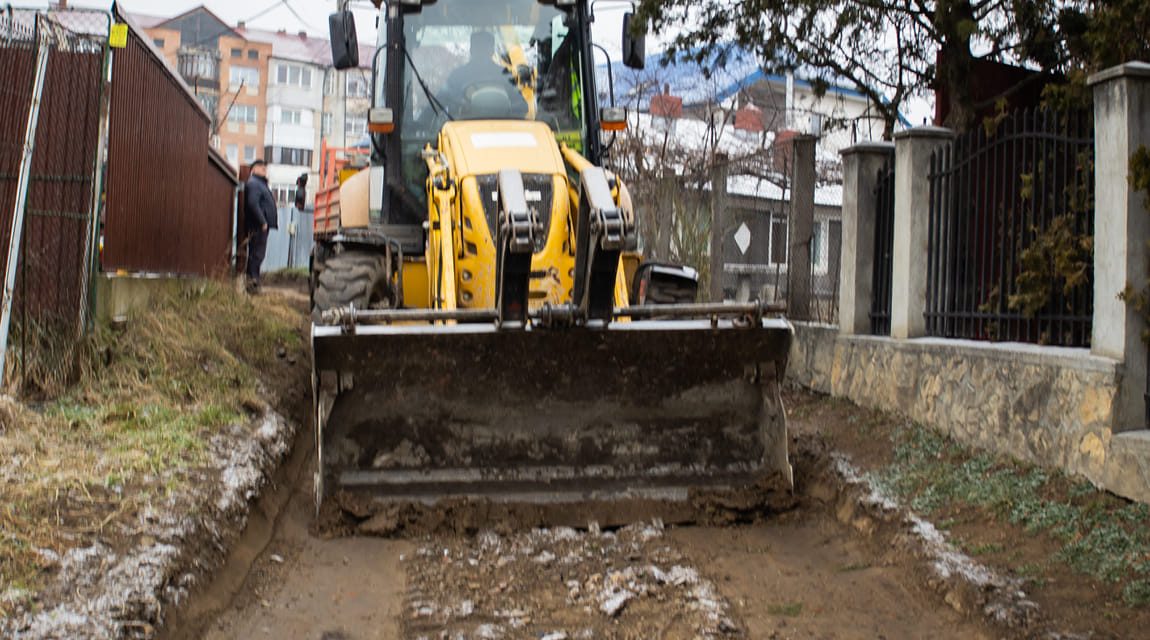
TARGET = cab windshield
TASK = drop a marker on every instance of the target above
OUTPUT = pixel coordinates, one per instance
(502, 59)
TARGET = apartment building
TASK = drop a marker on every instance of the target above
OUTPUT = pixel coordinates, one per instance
(296, 71)
(272, 94)
(227, 72)
(308, 101)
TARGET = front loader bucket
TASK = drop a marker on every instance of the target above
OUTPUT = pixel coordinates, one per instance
(654, 408)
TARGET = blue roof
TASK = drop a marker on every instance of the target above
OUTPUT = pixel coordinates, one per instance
(688, 80)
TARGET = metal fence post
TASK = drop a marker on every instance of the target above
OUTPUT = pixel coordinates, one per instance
(92, 243)
(802, 199)
(719, 217)
(22, 182)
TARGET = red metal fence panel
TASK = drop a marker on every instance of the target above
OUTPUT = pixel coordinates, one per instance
(49, 301)
(168, 203)
(58, 213)
(17, 69)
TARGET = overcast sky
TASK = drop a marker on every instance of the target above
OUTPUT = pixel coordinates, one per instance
(311, 15)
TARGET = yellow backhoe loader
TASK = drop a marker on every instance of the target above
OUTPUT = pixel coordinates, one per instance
(484, 323)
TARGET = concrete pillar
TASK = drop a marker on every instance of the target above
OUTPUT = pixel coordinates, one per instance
(912, 149)
(1121, 229)
(801, 227)
(861, 164)
(719, 219)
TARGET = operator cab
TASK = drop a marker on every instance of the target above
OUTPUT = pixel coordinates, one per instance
(445, 60)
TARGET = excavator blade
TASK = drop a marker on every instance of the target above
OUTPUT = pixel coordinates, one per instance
(654, 410)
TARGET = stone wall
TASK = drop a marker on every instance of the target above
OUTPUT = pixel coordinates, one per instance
(1051, 406)
(812, 356)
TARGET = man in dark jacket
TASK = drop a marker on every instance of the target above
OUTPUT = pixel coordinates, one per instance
(260, 215)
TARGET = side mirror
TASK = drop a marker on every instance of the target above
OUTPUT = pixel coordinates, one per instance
(344, 45)
(634, 47)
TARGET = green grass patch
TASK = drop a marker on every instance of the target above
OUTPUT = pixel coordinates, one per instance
(789, 610)
(981, 549)
(149, 397)
(854, 566)
(300, 274)
(1098, 535)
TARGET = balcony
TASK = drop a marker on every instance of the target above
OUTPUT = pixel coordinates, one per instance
(200, 67)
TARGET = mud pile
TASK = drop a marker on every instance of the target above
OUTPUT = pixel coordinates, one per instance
(562, 583)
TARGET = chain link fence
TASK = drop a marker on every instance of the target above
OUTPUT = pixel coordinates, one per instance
(53, 77)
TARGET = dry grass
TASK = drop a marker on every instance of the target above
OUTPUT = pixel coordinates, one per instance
(134, 424)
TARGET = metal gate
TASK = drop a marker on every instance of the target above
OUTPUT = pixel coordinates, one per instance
(53, 70)
(1005, 208)
(883, 270)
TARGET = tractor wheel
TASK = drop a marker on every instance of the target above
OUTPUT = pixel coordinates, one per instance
(350, 277)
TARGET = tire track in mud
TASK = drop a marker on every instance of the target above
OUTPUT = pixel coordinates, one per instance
(225, 588)
(830, 567)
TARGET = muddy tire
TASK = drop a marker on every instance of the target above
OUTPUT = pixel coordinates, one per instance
(316, 263)
(352, 276)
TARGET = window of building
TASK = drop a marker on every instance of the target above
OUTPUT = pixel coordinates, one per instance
(210, 103)
(248, 76)
(284, 193)
(249, 153)
(327, 124)
(288, 156)
(243, 113)
(159, 42)
(819, 247)
(253, 54)
(233, 153)
(237, 53)
(290, 116)
(824, 235)
(356, 84)
(293, 75)
(355, 127)
(778, 240)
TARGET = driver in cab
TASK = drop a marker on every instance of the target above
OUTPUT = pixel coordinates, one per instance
(481, 88)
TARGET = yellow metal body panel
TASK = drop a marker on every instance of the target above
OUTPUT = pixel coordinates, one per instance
(348, 172)
(479, 148)
(458, 267)
(415, 287)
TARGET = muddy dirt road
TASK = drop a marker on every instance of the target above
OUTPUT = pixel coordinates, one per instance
(815, 571)
(803, 574)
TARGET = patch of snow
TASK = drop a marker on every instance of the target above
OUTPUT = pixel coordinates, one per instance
(683, 575)
(489, 632)
(1006, 603)
(102, 594)
(613, 604)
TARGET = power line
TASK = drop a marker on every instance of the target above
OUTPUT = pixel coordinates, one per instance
(267, 10)
(216, 35)
(299, 17)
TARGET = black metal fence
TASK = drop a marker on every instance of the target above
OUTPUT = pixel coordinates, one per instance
(826, 255)
(65, 54)
(1011, 213)
(883, 269)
